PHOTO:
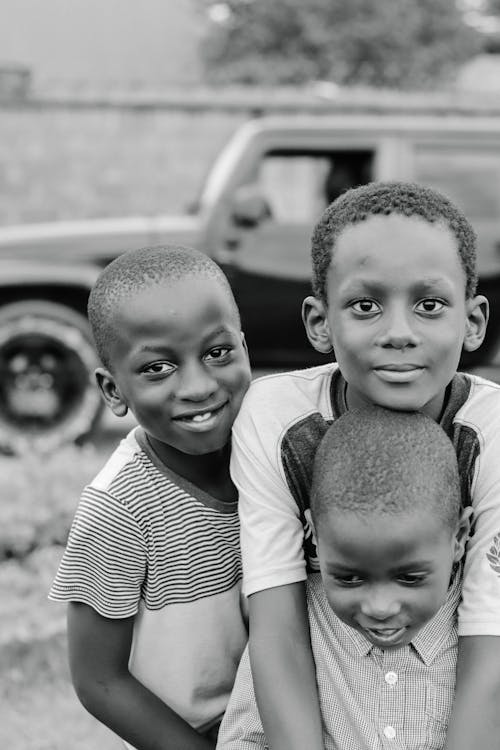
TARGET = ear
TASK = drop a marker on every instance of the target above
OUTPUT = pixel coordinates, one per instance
(110, 392)
(462, 533)
(244, 342)
(314, 316)
(477, 310)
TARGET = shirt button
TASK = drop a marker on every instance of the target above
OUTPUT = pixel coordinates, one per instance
(390, 733)
(391, 678)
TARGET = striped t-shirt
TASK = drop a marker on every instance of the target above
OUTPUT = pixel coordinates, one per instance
(147, 543)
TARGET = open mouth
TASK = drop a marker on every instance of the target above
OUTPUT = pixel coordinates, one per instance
(201, 419)
(385, 636)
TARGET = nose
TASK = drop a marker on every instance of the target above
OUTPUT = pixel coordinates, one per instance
(399, 331)
(380, 603)
(196, 382)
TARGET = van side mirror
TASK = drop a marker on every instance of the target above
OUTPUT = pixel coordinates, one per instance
(250, 207)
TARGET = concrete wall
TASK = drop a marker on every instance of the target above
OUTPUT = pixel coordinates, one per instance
(71, 161)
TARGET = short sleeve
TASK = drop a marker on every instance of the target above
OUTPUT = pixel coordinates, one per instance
(104, 563)
(271, 531)
(479, 611)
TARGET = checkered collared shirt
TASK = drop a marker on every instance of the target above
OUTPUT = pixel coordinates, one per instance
(371, 699)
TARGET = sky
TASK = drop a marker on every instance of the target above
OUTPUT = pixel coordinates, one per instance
(126, 43)
(102, 41)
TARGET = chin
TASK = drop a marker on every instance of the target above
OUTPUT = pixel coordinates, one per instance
(206, 448)
(401, 401)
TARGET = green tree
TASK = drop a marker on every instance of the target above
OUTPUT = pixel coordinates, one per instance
(493, 7)
(391, 43)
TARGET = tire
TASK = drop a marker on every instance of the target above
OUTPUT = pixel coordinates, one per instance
(48, 396)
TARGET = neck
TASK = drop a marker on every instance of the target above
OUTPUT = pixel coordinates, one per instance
(209, 471)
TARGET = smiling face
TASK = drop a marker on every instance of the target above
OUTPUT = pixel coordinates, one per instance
(387, 575)
(179, 364)
(397, 316)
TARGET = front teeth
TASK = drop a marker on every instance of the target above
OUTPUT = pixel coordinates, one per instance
(385, 633)
(202, 417)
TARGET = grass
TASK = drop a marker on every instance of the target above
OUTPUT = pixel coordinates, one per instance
(39, 708)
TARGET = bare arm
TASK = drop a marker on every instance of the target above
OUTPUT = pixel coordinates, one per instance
(475, 718)
(99, 650)
(283, 668)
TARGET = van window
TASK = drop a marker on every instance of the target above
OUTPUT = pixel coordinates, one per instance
(469, 176)
(298, 186)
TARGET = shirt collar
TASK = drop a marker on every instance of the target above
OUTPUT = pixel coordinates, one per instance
(429, 641)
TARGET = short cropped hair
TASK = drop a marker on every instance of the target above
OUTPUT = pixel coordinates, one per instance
(137, 270)
(375, 460)
(384, 198)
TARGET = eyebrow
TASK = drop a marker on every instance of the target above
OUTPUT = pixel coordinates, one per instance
(412, 564)
(218, 331)
(340, 568)
(423, 286)
(155, 348)
(151, 349)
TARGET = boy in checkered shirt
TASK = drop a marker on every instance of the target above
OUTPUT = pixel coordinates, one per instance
(390, 532)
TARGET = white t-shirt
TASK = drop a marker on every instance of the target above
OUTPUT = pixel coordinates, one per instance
(275, 436)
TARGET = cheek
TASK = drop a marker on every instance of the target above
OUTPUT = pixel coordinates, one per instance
(342, 601)
(448, 335)
(236, 376)
(149, 399)
(243, 381)
(152, 405)
(430, 601)
(350, 339)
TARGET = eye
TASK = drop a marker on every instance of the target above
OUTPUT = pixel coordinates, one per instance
(430, 306)
(411, 579)
(158, 369)
(365, 306)
(347, 580)
(218, 354)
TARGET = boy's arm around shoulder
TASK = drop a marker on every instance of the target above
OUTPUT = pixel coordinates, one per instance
(283, 668)
(475, 718)
(99, 650)
(274, 573)
(271, 530)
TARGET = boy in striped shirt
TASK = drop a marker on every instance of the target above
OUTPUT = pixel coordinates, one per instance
(390, 532)
(152, 572)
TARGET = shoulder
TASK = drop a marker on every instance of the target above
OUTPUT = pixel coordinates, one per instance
(119, 462)
(309, 382)
(287, 395)
(481, 408)
(129, 484)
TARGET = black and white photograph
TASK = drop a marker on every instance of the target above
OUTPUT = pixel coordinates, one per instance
(250, 374)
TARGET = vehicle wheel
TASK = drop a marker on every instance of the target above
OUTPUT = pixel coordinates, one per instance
(48, 394)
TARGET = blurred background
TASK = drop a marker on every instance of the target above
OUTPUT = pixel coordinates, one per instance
(112, 114)
(92, 93)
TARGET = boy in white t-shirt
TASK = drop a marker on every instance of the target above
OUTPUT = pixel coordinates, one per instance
(395, 302)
